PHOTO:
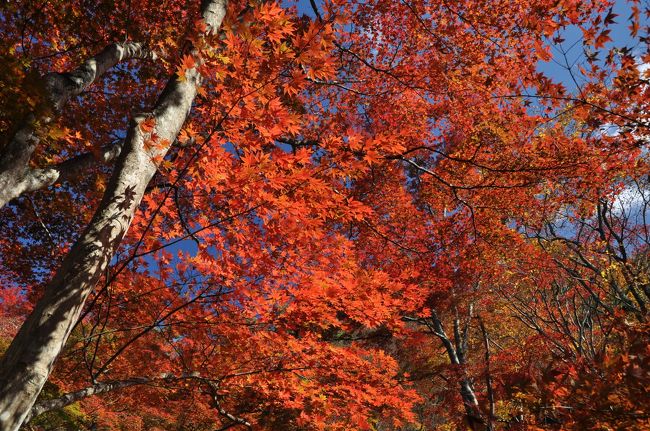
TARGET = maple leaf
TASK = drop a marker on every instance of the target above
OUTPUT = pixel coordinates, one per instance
(147, 126)
(188, 62)
(602, 39)
(319, 282)
(372, 157)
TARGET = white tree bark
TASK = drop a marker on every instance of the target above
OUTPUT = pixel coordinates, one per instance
(15, 175)
(29, 359)
(36, 179)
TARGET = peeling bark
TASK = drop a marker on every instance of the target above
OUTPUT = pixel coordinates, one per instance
(29, 359)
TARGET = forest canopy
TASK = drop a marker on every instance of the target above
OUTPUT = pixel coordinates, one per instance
(324, 215)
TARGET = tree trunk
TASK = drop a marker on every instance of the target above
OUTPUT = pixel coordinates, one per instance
(488, 375)
(28, 362)
(456, 356)
(472, 408)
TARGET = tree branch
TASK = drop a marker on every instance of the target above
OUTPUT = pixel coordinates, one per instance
(62, 86)
(37, 179)
(59, 88)
(101, 388)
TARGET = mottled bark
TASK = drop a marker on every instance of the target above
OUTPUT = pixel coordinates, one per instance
(28, 361)
(15, 175)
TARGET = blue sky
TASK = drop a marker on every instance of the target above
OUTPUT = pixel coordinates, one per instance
(572, 45)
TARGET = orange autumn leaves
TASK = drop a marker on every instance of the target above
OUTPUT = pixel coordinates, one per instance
(338, 176)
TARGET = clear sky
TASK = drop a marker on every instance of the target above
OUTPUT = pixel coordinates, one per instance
(570, 52)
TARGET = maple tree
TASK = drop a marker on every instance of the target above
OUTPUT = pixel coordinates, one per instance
(251, 214)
